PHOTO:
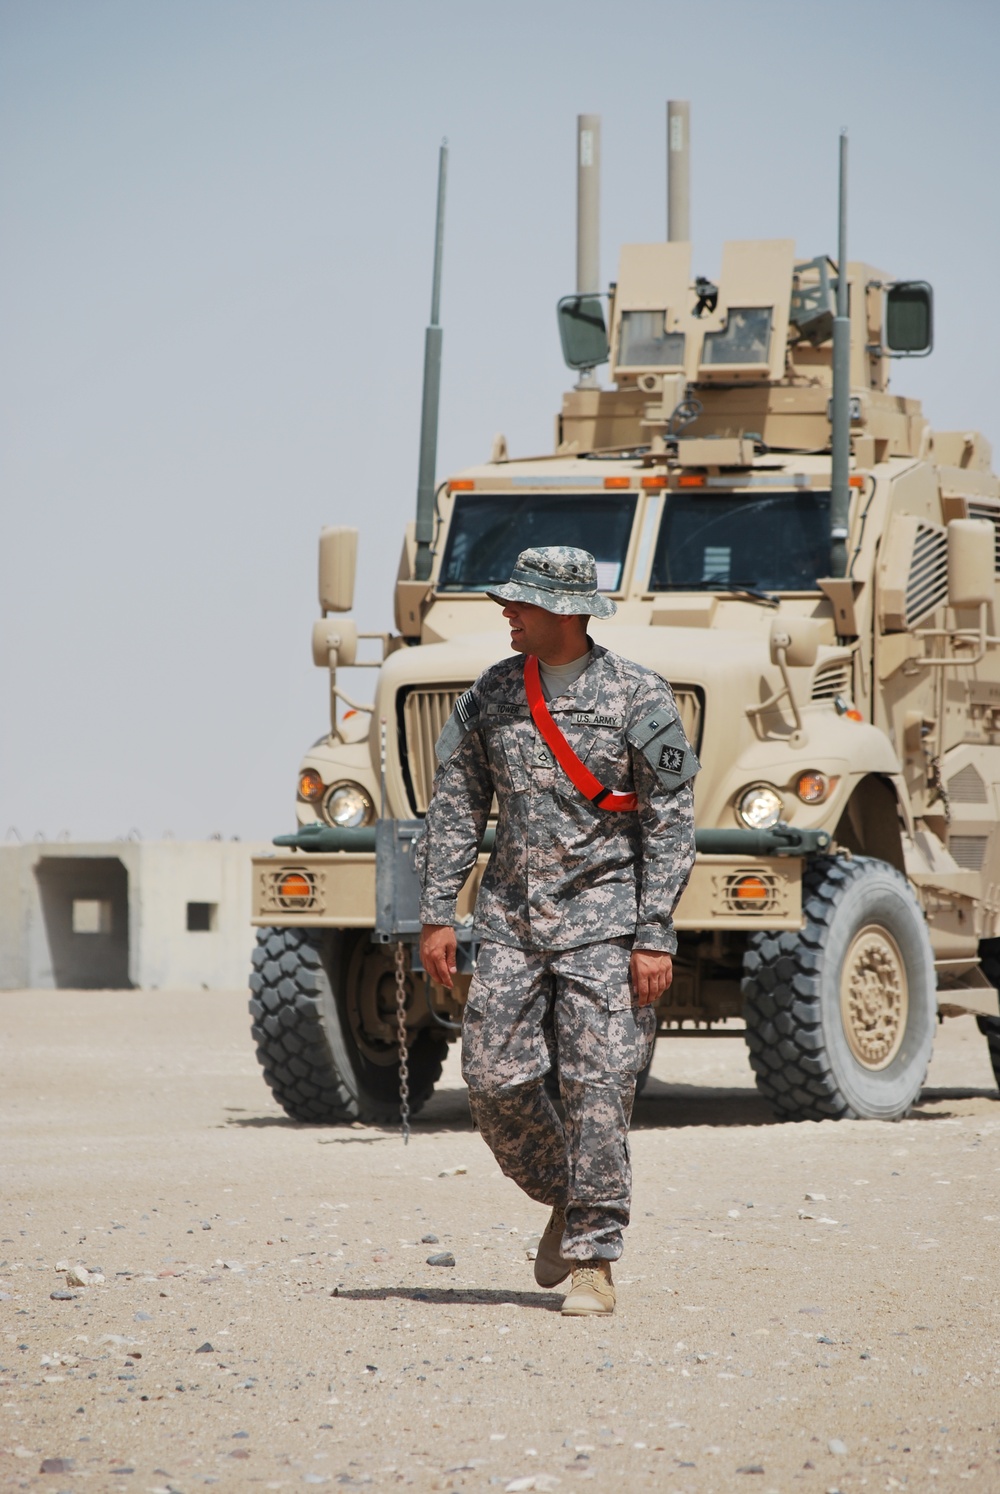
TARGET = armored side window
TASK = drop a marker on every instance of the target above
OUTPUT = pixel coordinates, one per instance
(746, 337)
(644, 342)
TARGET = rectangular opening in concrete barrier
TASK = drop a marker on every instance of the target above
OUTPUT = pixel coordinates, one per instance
(91, 915)
(202, 918)
(84, 903)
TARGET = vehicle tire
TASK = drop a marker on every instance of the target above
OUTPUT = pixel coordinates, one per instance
(323, 1009)
(989, 957)
(841, 1014)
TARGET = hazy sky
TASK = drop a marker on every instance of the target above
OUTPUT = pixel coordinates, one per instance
(216, 240)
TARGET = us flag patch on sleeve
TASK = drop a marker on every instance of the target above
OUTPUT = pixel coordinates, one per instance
(465, 707)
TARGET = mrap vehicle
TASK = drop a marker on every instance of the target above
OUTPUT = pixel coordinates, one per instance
(811, 566)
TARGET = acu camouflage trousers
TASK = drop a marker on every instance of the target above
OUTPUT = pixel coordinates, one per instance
(573, 1009)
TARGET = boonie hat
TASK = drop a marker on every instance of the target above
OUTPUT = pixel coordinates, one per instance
(559, 578)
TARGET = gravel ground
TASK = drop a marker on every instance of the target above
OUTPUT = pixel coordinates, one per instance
(801, 1307)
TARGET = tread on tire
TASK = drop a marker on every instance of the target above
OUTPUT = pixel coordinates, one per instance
(799, 1049)
(310, 1057)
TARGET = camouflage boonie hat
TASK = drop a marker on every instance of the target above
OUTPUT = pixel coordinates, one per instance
(559, 578)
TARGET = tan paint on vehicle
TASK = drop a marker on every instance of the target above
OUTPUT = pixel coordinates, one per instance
(915, 781)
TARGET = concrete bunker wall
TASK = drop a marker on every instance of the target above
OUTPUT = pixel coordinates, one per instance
(121, 914)
(85, 917)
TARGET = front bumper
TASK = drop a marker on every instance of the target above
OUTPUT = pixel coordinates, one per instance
(339, 891)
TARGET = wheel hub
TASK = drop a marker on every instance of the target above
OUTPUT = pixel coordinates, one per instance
(874, 997)
(370, 999)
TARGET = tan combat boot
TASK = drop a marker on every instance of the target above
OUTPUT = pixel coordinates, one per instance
(550, 1267)
(592, 1290)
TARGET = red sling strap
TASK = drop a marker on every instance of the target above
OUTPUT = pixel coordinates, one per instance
(576, 771)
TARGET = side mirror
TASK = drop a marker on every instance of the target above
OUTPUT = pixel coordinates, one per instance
(799, 637)
(795, 642)
(909, 319)
(582, 331)
(338, 560)
(971, 562)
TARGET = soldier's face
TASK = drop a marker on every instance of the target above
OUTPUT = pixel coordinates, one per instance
(535, 631)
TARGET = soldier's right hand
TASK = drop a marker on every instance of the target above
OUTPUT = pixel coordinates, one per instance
(438, 952)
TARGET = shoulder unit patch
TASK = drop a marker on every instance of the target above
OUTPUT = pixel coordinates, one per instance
(661, 740)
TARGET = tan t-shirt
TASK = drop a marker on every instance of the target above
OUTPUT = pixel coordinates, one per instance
(557, 678)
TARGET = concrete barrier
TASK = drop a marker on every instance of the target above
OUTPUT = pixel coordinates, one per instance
(115, 914)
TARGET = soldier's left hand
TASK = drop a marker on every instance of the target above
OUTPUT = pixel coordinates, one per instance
(652, 971)
(437, 952)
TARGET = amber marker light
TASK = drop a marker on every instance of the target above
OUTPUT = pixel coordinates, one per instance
(618, 482)
(296, 886)
(462, 485)
(853, 715)
(856, 480)
(311, 785)
(813, 787)
(751, 890)
(691, 480)
(654, 483)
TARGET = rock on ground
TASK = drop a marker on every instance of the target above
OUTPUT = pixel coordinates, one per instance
(816, 1301)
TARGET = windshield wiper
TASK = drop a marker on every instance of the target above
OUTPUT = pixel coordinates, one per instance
(722, 583)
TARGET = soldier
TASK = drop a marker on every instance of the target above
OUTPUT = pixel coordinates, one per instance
(592, 774)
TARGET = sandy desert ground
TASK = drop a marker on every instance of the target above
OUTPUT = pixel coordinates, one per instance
(801, 1307)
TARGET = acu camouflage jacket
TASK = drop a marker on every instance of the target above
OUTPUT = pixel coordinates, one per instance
(563, 873)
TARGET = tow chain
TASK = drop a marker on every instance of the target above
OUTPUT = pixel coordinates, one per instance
(404, 1067)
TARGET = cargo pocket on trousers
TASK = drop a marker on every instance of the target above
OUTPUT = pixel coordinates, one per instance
(478, 997)
(474, 1043)
(621, 997)
(631, 1032)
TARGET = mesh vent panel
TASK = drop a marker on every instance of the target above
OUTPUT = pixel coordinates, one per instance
(832, 679)
(968, 850)
(927, 584)
(981, 511)
(967, 787)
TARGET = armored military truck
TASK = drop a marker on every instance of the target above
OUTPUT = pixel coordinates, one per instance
(814, 569)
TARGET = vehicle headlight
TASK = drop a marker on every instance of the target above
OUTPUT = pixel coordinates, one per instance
(759, 807)
(347, 805)
(311, 785)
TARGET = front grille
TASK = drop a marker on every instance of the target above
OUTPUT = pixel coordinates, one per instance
(689, 709)
(426, 709)
(833, 679)
(927, 583)
(968, 850)
(425, 712)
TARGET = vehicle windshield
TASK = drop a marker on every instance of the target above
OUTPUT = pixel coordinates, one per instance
(775, 542)
(489, 530)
